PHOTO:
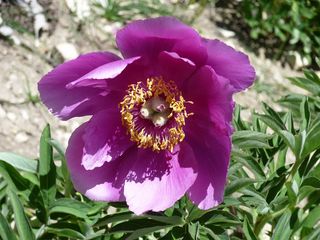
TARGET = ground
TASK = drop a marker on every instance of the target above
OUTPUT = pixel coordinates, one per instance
(22, 117)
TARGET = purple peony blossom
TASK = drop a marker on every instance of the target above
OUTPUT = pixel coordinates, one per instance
(161, 117)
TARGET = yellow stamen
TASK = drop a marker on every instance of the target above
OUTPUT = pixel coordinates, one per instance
(139, 96)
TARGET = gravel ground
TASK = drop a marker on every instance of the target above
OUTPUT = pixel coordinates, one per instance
(21, 120)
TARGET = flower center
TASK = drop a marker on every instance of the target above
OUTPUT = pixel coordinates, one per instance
(157, 110)
(154, 114)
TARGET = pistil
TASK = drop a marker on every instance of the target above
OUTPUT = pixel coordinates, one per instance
(157, 110)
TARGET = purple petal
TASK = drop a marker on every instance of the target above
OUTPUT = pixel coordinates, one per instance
(106, 71)
(105, 139)
(151, 36)
(157, 180)
(211, 147)
(230, 64)
(68, 103)
(173, 67)
(208, 133)
(211, 96)
(192, 48)
(101, 184)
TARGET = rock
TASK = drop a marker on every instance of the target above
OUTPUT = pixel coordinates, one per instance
(11, 116)
(226, 33)
(80, 8)
(67, 51)
(21, 137)
(6, 31)
(2, 112)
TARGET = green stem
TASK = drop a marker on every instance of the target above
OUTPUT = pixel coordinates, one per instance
(266, 218)
(294, 170)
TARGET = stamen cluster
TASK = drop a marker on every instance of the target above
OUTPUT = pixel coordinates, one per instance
(157, 102)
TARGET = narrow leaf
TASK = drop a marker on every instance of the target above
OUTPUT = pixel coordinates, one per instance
(282, 229)
(247, 230)
(23, 225)
(238, 184)
(69, 206)
(47, 169)
(145, 231)
(312, 218)
(65, 232)
(312, 141)
(19, 162)
(13, 177)
(6, 232)
(250, 139)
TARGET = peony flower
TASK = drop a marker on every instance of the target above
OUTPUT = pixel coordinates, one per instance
(161, 117)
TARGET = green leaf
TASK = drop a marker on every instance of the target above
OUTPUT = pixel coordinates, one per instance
(274, 115)
(65, 232)
(312, 182)
(305, 114)
(253, 198)
(22, 223)
(6, 232)
(311, 164)
(282, 156)
(238, 184)
(145, 231)
(314, 235)
(289, 139)
(47, 169)
(312, 141)
(70, 206)
(13, 177)
(270, 122)
(292, 195)
(193, 229)
(250, 139)
(113, 218)
(219, 217)
(247, 230)
(210, 233)
(237, 121)
(279, 128)
(290, 123)
(311, 75)
(300, 140)
(307, 84)
(138, 227)
(19, 162)
(282, 229)
(312, 218)
(64, 169)
(173, 220)
(97, 207)
(252, 164)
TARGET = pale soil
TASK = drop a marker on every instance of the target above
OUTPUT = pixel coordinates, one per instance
(21, 121)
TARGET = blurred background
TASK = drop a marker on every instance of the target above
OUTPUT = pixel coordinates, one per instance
(281, 38)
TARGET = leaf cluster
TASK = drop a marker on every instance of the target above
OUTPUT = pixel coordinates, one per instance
(294, 23)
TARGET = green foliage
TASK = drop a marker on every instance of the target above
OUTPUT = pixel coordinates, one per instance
(123, 11)
(310, 82)
(273, 179)
(293, 23)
